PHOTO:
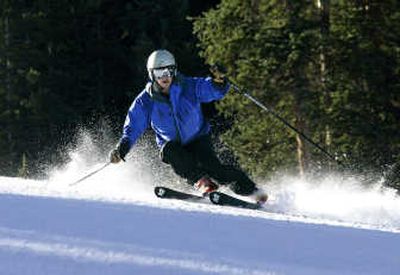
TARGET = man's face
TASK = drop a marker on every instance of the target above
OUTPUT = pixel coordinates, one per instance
(163, 76)
(164, 82)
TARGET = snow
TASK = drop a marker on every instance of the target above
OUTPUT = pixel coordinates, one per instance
(112, 223)
(50, 235)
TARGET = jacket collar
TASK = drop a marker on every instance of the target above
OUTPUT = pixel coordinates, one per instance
(154, 90)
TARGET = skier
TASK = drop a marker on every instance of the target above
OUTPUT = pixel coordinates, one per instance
(171, 105)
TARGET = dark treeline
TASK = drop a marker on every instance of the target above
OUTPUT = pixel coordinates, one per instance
(66, 63)
(330, 68)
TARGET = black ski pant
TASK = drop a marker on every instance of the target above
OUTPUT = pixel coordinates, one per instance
(197, 159)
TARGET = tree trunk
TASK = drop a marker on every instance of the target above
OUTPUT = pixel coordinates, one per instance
(324, 11)
(7, 38)
(300, 97)
(100, 63)
(303, 150)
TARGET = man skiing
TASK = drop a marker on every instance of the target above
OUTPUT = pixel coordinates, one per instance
(171, 105)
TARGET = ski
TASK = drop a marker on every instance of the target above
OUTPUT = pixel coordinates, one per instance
(215, 197)
(224, 199)
(168, 193)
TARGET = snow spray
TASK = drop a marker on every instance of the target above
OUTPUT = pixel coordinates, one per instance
(332, 198)
(336, 198)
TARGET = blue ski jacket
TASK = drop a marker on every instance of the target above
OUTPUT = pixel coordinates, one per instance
(177, 118)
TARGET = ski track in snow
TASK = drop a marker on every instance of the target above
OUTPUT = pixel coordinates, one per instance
(45, 235)
(112, 223)
(105, 254)
(333, 205)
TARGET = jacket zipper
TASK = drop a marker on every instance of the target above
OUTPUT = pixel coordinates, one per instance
(179, 135)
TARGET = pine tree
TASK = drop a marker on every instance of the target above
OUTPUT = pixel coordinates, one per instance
(329, 68)
(64, 64)
(267, 46)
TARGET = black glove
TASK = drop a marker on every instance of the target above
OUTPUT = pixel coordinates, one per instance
(115, 156)
(218, 72)
(119, 153)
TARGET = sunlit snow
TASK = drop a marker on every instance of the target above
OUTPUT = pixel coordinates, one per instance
(112, 223)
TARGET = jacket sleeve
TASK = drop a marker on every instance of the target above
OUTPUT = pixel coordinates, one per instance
(136, 122)
(207, 90)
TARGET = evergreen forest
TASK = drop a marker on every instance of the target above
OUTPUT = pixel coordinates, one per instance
(329, 68)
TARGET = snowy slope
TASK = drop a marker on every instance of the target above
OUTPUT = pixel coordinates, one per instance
(112, 223)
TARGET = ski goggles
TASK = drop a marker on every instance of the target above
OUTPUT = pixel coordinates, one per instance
(164, 72)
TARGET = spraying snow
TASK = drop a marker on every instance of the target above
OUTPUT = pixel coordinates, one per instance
(333, 199)
(337, 199)
(111, 223)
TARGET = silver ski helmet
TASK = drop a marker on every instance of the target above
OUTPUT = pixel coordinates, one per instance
(160, 59)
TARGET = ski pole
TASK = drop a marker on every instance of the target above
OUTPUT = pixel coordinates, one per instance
(90, 174)
(272, 112)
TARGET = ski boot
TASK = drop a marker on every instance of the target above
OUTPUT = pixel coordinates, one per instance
(259, 196)
(205, 186)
